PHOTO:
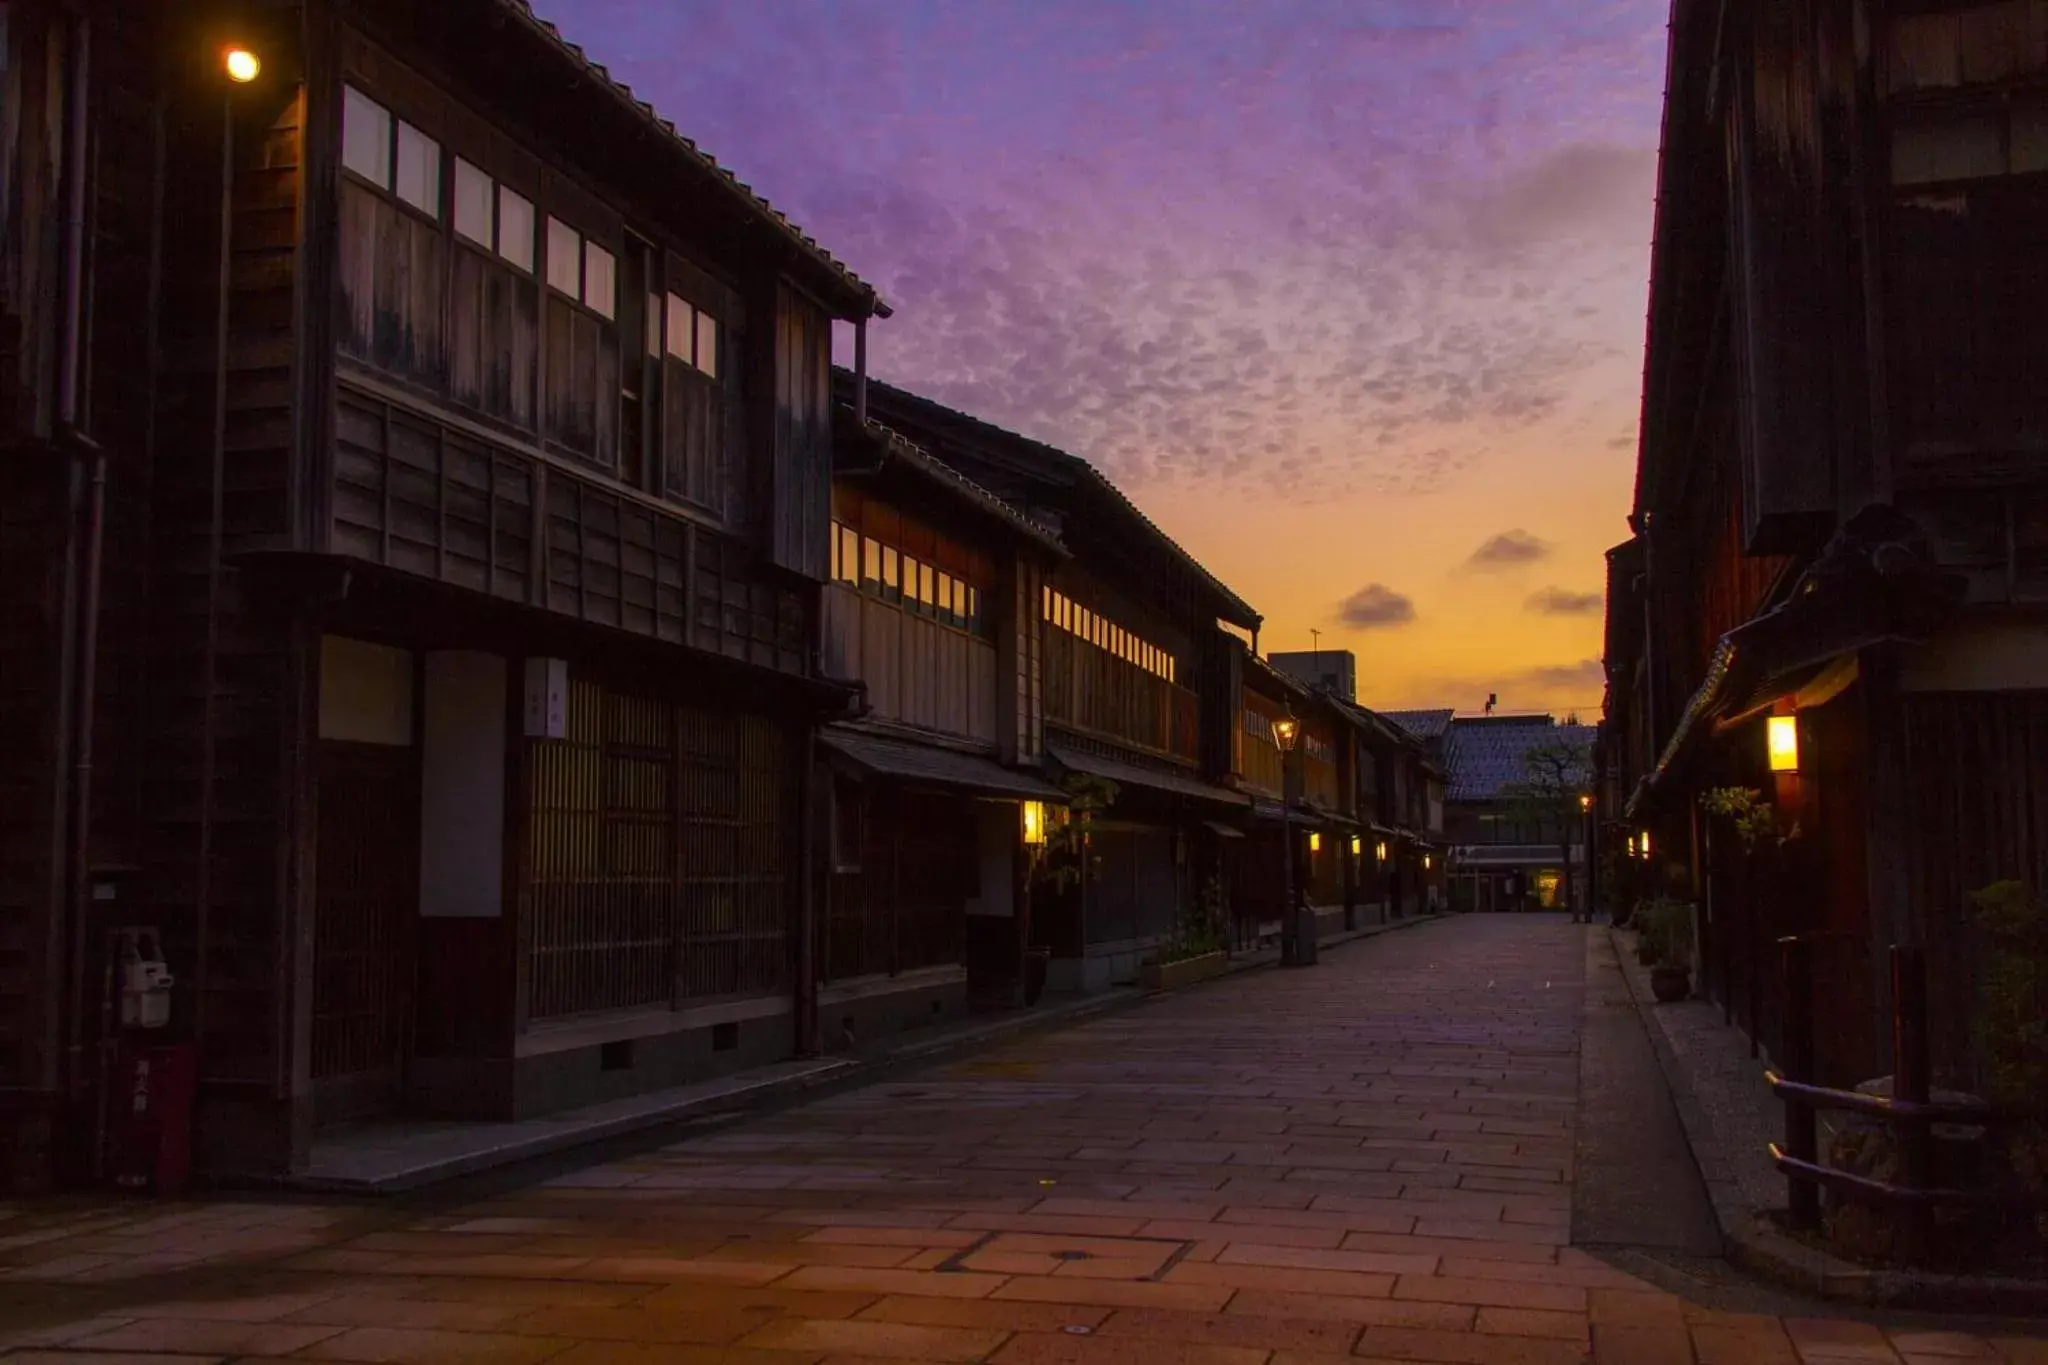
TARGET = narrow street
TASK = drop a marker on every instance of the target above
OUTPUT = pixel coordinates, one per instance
(1373, 1159)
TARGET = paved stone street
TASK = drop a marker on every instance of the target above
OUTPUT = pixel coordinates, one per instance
(1371, 1160)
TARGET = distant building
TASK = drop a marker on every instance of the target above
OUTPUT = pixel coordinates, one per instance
(1327, 670)
(1500, 858)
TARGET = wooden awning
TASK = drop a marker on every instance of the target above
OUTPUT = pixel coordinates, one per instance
(940, 769)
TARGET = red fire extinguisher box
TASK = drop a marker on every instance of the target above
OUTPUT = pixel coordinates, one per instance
(151, 1119)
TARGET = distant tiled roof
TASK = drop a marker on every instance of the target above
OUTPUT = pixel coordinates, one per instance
(1485, 752)
(796, 236)
(1424, 725)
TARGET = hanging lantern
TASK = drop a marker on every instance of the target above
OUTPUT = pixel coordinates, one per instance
(1783, 736)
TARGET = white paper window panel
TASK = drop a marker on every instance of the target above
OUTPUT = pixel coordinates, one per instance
(365, 137)
(419, 170)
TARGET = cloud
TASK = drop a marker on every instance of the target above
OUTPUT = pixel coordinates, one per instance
(1564, 602)
(1376, 606)
(1550, 678)
(1510, 550)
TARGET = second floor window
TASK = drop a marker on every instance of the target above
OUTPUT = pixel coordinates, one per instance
(920, 588)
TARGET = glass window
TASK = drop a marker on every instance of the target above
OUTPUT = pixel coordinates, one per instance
(850, 547)
(365, 137)
(565, 258)
(599, 276)
(515, 228)
(974, 604)
(871, 562)
(707, 344)
(892, 581)
(419, 170)
(927, 585)
(473, 204)
(680, 330)
(1046, 598)
(946, 596)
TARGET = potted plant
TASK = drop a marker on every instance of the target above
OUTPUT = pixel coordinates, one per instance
(1667, 928)
(2012, 1026)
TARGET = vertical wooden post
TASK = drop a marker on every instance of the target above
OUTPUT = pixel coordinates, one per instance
(1911, 1083)
(1802, 1141)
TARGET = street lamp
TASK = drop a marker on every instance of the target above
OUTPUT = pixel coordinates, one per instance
(1293, 953)
(241, 64)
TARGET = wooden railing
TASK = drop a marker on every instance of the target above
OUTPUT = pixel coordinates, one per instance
(1909, 1111)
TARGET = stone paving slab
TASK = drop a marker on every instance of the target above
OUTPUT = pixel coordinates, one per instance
(1370, 1160)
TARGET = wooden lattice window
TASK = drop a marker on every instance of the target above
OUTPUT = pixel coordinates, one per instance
(657, 864)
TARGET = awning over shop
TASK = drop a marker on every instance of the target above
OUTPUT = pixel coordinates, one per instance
(1154, 779)
(1223, 831)
(926, 765)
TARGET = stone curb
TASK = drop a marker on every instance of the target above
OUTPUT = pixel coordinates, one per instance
(1753, 1241)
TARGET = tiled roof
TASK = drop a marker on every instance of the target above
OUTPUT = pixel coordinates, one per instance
(896, 446)
(1424, 725)
(1485, 752)
(1238, 610)
(522, 10)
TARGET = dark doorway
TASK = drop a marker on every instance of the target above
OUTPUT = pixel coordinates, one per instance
(366, 893)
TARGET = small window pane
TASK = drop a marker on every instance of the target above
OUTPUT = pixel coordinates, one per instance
(871, 563)
(365, 137)
(1927, 148)
(515, 228)
(927, 585)
(707, 344)
(565, 258)
(654, 337)
(681, 330)
(599, 274)
(473, 203)
(419, 170)
(892, 583)
(849, 550)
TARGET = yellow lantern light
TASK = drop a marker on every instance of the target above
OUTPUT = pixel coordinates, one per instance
(1357, 845)
(1315, 842)
(1380, 853)
(1646, 843)
(1034, 823)
(1631, 845)
(241, 64)
(1427, 862)
(1285, 730)
(1783, 734)
(1585, 802)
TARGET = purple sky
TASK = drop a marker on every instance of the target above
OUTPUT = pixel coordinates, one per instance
(1378, 264)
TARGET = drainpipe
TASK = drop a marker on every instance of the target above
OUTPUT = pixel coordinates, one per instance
(87, 507)
(860, 373)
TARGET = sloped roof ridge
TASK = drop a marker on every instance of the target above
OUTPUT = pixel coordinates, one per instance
(803, 241)
(1087, 470)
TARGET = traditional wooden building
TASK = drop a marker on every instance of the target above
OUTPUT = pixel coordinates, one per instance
(1132, 677)
(1401, 782)
(1509, 853)
(450, 701)
(933, 612)
(1841, 510)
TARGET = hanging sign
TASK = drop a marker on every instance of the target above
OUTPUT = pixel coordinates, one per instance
(547, 698)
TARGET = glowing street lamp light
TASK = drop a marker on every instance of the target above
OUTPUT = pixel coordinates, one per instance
(1286, 729)
(241, 64)
(1783, 736)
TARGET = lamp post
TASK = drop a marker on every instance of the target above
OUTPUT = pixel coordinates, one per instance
(1586, 843)
(1286, 731)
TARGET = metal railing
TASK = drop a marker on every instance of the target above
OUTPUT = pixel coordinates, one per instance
(1909, 1111)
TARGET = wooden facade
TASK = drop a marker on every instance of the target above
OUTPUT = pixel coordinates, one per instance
(1123, 675)
(465, 432)
(1842, 489)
